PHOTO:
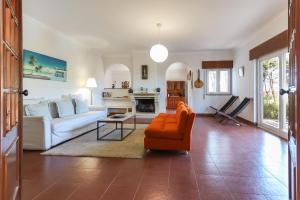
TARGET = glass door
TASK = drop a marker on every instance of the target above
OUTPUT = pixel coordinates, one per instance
(273, 108)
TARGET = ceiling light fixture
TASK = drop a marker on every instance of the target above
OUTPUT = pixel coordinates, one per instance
(158, 52)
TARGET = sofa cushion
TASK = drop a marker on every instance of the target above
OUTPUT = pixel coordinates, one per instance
(170, 120)
(81, 106)
(65, 108)
(40, 109)
(163, 130)
(158, 119)
(166, 115)
(76, 121)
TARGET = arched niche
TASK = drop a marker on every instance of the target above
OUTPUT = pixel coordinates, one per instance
(116, 73)
(177, 72)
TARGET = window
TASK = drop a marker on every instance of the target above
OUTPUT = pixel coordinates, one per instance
(218, 81)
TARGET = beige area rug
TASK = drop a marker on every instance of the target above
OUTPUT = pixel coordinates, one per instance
(88, 145)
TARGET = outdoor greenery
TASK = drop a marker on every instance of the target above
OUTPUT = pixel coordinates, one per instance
(271, 99)
(271, 108)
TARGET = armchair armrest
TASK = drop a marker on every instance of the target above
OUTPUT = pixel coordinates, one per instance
(36, 133)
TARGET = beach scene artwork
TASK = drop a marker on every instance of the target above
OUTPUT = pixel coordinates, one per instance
(39, 66)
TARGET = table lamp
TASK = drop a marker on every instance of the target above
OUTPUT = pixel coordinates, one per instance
(91, 83)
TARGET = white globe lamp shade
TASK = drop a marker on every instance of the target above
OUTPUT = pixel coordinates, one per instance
(159, 53)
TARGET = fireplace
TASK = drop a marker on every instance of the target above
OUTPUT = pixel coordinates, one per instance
(145, 105)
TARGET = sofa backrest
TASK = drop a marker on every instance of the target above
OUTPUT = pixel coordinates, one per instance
(185, 118)
(189, 122)
(181, 117)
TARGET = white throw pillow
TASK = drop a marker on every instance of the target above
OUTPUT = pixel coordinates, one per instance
(65, 108)
(40, 109)
(81, 106)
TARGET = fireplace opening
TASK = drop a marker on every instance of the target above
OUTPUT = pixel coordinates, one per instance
(145, 105)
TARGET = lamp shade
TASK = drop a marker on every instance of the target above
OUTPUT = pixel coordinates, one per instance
(91, 83)
(159, 53)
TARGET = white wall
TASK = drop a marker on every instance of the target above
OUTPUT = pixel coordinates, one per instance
(157, 73)
(246, 86)
(118, 73)
(177, 72)
(139, 59)
(81, 62)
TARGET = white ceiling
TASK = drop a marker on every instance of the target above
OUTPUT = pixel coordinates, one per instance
(120, 26)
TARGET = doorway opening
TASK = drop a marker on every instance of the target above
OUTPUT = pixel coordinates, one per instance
(178, 85)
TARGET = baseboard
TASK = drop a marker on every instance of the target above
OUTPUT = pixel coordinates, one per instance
(245, 121)
(242, 120)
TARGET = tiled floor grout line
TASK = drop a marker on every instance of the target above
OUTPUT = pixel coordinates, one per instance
(219, 174)
(275, 177)
(169, 174)
(39, 194)
(249, 178)
(195, 175)
(112, 181)
(139, 184)
(70, 195)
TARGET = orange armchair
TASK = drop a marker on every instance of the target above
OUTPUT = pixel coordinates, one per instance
(171, 131)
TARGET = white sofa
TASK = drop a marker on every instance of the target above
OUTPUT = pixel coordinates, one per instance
(42, 133)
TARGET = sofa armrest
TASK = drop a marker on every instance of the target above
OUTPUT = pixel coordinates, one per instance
(36, 133)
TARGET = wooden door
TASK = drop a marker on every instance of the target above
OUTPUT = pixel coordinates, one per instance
(294, 98)
(11, 100)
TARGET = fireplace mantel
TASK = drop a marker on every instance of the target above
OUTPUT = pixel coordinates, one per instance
(145, 94)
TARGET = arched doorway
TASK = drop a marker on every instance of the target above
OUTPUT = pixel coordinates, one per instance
(178, 84)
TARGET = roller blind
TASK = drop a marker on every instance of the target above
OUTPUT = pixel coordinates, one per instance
(217, 64)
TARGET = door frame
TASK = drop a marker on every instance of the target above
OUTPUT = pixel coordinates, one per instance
(280, 130)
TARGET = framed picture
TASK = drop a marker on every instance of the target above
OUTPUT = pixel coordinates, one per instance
(144, 72)
(39, 66)
(241, 71)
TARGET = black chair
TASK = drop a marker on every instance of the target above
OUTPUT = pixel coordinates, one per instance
(226, 106)
(232, 116)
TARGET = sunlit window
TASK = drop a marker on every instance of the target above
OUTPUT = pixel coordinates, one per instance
(212, 81)
(218, 81)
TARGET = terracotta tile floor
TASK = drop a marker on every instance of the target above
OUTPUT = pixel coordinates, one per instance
(226, 162)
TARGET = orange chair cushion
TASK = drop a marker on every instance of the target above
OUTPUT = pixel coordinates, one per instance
(158, 119)
(163, 130)
(166, 115)
(171, 120)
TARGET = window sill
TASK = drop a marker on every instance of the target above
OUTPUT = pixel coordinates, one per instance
(219, 94)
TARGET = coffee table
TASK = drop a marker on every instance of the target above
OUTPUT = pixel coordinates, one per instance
(117, 121)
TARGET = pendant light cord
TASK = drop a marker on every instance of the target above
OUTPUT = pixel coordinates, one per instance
(159, 31)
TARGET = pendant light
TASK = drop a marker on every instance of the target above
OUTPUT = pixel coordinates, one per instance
(158, 52)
